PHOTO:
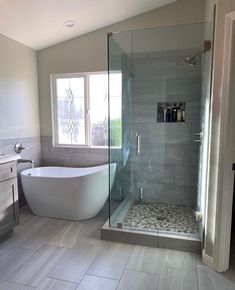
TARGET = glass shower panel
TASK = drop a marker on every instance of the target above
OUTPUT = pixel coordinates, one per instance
(119, 124)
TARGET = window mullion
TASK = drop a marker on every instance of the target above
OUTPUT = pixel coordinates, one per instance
(87, 109)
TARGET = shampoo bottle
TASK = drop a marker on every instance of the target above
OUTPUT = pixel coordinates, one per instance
(174, 113)
(168, 115)
(183, 115)
(179, 113)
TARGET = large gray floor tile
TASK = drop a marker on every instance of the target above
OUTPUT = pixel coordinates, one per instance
(91, 233)
(146, 259)
(230, 274)
(53, 284)
(20, 234)
(173, 279)
(12, 260)
(36, 268)
(112, 261)
(182, 260)
(40, 237)
(66, 235)
(28, 219)
(210, 280)
(133, 280)
(12, 286)
(75, 263)
(90, 282)
(31, 220)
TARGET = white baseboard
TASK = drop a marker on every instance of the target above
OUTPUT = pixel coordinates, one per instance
(209, 261)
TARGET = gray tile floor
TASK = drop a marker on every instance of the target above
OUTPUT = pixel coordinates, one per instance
(45, 253)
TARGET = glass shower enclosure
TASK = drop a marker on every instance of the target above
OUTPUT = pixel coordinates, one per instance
(158, 113)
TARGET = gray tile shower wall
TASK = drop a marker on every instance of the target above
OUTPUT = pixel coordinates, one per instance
(32, 151)
(167, 168)
(80, 157)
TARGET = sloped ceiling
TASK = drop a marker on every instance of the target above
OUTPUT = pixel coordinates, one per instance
(40, 23)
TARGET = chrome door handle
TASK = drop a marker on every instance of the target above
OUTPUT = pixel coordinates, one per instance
(138, 143)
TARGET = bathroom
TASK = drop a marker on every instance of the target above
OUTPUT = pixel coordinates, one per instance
(104, 147)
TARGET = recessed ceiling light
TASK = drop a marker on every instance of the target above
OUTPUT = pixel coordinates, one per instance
(69, 23)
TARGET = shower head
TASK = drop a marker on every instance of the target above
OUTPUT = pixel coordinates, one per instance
(192, 60)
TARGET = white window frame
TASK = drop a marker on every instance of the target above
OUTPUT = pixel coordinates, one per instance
(86, 75)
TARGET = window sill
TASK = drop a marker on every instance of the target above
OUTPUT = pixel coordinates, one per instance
(85, 148)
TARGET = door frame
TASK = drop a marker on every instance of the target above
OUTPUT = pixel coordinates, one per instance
(221, 253)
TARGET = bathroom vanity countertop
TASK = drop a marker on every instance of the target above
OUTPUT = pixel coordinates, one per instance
(8, 158)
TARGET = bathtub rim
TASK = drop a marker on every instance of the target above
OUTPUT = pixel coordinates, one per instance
(102, 167)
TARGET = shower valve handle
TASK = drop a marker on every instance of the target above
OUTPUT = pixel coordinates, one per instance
(198, 137)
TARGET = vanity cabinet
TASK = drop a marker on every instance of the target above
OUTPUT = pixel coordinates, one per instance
(9, 208)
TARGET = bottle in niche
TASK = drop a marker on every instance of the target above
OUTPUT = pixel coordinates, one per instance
(183, 115)
(164, 115)
(179, 113)
(168, 114)
(174, 113)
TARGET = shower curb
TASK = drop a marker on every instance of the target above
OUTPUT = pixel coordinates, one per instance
(151, 239)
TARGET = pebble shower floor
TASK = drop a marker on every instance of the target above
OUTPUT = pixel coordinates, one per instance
(162, 216)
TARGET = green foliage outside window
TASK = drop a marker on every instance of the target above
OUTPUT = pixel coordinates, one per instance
(116, 133)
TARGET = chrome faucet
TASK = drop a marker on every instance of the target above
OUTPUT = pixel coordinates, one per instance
(26, 161)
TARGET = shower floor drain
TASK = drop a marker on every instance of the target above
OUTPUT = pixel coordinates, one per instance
(161, 218)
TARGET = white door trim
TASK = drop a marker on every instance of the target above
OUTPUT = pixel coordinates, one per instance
(226, 155)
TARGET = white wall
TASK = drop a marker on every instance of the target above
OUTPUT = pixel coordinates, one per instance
(89, 52)
(19, 106)
(216, 165)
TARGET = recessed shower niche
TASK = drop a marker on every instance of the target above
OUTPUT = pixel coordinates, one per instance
(162, 110)
(171, 112)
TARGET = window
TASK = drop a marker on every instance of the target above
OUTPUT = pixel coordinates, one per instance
(80, 109)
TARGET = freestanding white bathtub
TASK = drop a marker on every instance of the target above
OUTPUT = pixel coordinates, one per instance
(67, 193)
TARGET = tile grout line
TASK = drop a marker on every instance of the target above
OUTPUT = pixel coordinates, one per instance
(101, 277)
(11, 271)
(151, 273)
(62, 280)
(101, 248)
(57, 279)
(50, 269)
(197, 279)
(16, 283)
(125, 268)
